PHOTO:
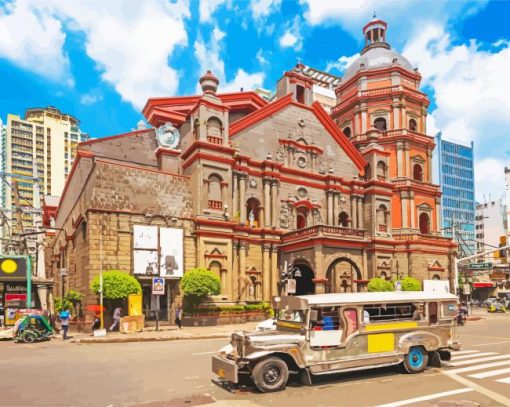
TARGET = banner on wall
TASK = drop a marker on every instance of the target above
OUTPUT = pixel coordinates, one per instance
(158, 251)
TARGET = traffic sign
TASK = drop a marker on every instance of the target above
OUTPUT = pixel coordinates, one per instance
(480, 266)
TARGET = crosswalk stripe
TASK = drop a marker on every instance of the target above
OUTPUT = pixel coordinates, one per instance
(462, 352)
(473, 355)
(425, 398)
(478, 367)
(490, 373)
(505, 380)
(471, 361)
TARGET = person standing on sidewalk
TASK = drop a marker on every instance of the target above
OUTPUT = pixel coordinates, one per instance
(178, 316)
(64, 317)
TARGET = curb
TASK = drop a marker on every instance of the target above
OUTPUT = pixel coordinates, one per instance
(150, 339)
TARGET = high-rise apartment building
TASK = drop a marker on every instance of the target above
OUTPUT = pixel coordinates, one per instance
(490, 224)
(38, 148)
(455, 174)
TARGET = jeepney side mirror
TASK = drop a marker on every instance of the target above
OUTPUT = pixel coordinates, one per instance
(314, 315)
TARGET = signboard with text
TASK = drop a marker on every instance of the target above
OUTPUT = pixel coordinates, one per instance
(480, 266)
(158, 286)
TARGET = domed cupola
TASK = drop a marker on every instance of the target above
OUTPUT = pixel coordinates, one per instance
(375, 35)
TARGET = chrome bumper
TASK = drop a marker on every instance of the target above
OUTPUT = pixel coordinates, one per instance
(454, 345)
(225, 369)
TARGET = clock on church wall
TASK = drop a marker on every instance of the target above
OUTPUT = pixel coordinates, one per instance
(167, 135)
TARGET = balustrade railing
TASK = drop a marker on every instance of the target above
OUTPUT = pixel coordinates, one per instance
(215, 140)
(324, 230)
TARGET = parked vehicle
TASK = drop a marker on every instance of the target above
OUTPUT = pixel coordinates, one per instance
(496, 306)
(32, 328)
(332, 333)
(267, 325)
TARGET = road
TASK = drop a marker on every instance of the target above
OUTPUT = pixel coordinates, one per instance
(157, 374)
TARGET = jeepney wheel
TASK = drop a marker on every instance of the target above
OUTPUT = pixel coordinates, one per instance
(270, 374)
(416, 360)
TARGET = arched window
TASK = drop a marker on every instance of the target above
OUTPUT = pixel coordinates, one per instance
(436, 277)
(215, 267)
(253, 211)
(381, 170)
(368, 172)
(302, 218)
(382, 218)
(413, 125)
(380, 124)
(214, 130)
(417, 172)
(214, 194)
(343, 219)
(347, 132)
(424, 223)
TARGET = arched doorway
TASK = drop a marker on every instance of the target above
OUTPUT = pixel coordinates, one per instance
(342, 275)
(305, 284)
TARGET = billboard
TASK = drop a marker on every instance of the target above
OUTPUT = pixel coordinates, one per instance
(158, 251)
(13, 268)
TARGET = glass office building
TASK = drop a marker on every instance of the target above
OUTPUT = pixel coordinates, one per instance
(455, 174)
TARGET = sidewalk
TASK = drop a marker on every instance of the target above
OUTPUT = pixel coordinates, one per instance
(166, 333)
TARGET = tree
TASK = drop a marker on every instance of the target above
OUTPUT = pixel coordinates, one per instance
(378, 284)
(116, 285)
(197, 284)
(74, 297)
(67, 305)
(410, 284)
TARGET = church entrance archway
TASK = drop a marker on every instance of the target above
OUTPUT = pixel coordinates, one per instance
(305, 284)
(342, 276)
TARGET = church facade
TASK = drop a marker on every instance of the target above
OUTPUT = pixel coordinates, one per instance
(243, 187)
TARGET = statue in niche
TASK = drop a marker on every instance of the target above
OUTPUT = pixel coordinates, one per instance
(251, 218)
(284, 216)
(280, 153)
(316, 216)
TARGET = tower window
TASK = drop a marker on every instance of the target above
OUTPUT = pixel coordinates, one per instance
(300, 94)
(380, 124)
(424, 224)
(413, 125)
(347, 132)
(417, 172)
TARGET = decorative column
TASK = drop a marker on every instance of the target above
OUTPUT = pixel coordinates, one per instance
(360, 213)
(412, 214)
(274, 203)
(329, 195)
(354, 211)
(242, 198)
(400, 159)
(267, 201)
(429, 165)
(336, 205)
(235, 196)
(439, 215)
(404, 199)
(242, 270)
(266, 272)
(234, 295)
(363, 119)
(396, 115)
(224, 193)
(275, 273)
(407, 161)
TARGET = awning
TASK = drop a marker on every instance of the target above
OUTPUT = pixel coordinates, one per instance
(483, 285)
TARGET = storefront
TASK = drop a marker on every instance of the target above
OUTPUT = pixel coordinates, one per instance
(16, 291)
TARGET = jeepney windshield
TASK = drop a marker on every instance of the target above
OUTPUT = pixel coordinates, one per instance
(291, 316)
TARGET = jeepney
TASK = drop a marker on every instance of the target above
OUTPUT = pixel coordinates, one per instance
(334, 333)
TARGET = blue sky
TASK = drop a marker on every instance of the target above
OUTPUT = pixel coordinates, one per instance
(101, 60)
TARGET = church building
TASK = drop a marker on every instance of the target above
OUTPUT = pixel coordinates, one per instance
(245, 188)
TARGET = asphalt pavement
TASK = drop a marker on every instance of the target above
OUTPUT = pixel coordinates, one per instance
(178, 373)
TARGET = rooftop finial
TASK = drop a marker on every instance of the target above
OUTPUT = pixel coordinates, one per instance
(375, 16)
(209, 83)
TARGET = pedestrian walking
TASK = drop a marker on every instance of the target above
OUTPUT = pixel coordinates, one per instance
(117, 313)
(178, 316)
(64, 317)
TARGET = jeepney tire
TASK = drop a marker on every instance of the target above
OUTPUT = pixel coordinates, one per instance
(305, 377)
(270, 374)
(416, 360)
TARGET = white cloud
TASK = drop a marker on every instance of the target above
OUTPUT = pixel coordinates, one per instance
(130, 45)
(90, 98)
(261, 58)
(262, 8)
(288, 40)
(470, 84)
(489, 179)
(243, 80)
(207, 8)
(292, 36)
(31, 37)
(341, 64)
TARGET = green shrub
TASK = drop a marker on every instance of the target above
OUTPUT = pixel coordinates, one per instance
(196, 285)
(378, 284)
(410, 284)
(116, 285)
